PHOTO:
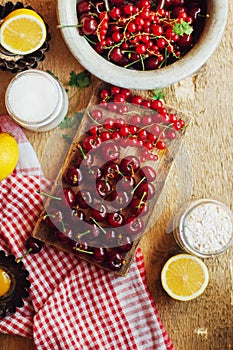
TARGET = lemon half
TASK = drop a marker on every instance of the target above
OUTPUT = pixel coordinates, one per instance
(184, 277)
(22, 32)
(9, 154)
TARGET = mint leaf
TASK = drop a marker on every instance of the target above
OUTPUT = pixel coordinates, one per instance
(157, 94)
(79, 80)
(182, 28)
(71, 122)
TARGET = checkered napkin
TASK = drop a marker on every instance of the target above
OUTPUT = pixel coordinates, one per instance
(72, 305)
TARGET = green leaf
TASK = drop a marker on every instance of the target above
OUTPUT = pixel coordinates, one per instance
(157, 94)
(71, 122)
(79, 80)
(182, 28)
(53, 75)
(67, 138)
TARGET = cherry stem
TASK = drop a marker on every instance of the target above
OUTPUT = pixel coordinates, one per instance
(23, 256)
(63, 226)
(82, 152)
(94, 120)
(138, 184)
(48, 215)
(49, 195)
(83, 234)
(120, 173)
(160, 5)
(132, 169)
(106, 5)
(68, 25)
(141, 200)
(98, 225)
(131, 63)
(83, 251)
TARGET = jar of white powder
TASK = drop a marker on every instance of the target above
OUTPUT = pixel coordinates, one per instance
(36, 100)
(204, 228)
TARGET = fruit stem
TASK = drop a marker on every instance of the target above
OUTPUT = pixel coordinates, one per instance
(97, 224)
(82, 152)
(68, 25)
(120, 173)
(106, 5)
(160, 4)
(83, 234)
(83, 251)
(49, 195)
(141, 200)
(23, 256)
(138, 184)
(94, 120)
(63, 226)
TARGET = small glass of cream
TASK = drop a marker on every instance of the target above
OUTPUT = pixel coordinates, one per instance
(36, 100)
(204, 228)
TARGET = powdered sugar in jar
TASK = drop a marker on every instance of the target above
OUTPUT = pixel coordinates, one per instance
(204, 228)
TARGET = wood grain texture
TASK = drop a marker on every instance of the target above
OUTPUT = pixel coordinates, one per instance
(203, 169)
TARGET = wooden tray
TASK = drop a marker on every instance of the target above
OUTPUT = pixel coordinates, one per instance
(162, 166)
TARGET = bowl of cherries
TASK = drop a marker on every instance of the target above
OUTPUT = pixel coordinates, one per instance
(142, 44)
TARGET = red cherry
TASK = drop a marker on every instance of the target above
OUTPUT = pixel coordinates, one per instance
(138, 207)
(145, 188)
(115, 260)
(97, 114)
(148, 172)
(84, 199)
(99, 212)
(130, 165)
(115, 219)
(111, 170)
(83, 7)
(161, 145)
(34, 245)
(125, 244)
(110, 151)
(136, 100)
(156, 104)
(134, 225)
(69, 196)
(91, 142)
(89, 24)
(99, 254)
(73, 176)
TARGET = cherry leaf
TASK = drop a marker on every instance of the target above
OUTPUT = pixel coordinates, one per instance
(182, 28)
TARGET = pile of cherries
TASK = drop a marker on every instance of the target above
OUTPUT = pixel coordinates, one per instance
(141, 34)
(102, 205)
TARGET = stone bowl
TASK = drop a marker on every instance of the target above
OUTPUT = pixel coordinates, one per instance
(143, 80)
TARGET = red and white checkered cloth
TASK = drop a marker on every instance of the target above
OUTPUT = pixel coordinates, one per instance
(72, 305)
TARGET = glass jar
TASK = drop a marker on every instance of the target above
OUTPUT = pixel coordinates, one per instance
(204, 228)
(36, 100)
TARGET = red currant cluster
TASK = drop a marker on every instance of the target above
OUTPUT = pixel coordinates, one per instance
(150, 129)
(142, 34)
(101, 209)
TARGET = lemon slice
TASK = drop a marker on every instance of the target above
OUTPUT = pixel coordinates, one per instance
(23, 31)
(9, 154)
(5, 282)
(184, 277)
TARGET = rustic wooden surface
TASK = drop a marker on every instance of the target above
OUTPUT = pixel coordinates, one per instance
(204, 169)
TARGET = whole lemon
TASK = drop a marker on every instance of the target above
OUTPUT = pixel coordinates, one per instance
(9, 154)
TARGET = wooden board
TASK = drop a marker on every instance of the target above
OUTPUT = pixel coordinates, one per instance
(204, 323)
(162, 166)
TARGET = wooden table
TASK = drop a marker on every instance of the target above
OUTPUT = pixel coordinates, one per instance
(207, 322)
